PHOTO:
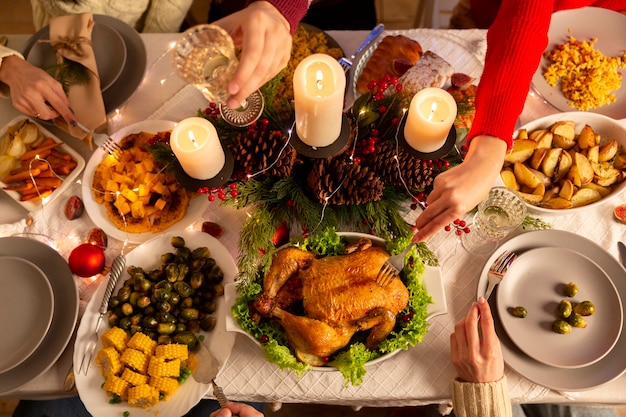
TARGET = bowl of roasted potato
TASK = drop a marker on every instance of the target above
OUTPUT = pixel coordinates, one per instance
(567, 162)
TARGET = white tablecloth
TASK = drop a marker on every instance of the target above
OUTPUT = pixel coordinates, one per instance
(418, 376)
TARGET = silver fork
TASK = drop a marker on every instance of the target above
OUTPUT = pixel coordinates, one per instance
(116, 271)
(103, 141)
(498, 269)
(347, 63)
(391, 268)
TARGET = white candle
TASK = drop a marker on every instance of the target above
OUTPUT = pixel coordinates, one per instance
(197, 147)
(431, 114)
(318, 87)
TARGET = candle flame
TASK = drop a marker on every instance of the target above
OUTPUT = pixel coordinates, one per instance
(319, 77)
(192, 138)
(433, 109)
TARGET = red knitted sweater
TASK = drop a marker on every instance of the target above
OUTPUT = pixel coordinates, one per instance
(293, 10)
(516, 40)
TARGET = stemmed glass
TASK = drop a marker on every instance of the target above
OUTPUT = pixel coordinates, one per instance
(502, 211)
(205, 57)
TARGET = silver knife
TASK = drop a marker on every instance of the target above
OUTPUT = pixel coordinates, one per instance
(206, 371)
(622, 253)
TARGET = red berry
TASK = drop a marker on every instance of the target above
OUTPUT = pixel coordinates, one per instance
(466, 230)
(447, 228)
(234, 193)
(458, 232)
(264, 338)
(413, 206)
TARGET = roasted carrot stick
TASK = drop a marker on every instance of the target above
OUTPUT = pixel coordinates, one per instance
(20, 176)
(34, 152)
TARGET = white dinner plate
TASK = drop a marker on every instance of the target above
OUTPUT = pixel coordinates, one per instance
(36, 205)
(26, 308)
(584, 24)
(444, 44)
(432, 280)
(97, 212)
(535, 281)
(607, 369)
(108, 47)
(134, 68)
(64, 315)
(218, 341)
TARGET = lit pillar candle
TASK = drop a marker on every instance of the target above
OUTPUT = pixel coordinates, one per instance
(430, 117)
(318, 87)
(197, 147)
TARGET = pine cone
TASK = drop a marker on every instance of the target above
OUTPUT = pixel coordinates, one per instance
(255, 150)
(416, 173)
(340, 182)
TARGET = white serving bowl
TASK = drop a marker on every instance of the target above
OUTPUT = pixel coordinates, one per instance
(606, 127)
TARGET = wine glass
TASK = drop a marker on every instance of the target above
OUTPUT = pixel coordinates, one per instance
(498, 214)
(205, 57)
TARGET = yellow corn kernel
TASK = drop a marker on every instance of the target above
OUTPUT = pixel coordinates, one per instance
(161, 367)
(135, 360)
(165, 386)
(143, 396)
(142, 343)
(172, 351)
(108, 360)
(116, 337)
(116, 385)
(134, 378)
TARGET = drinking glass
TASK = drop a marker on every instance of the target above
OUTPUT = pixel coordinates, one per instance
(502, 211)
(205, 57)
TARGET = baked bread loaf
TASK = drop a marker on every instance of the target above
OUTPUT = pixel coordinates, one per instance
(430, 71)
(381, 61)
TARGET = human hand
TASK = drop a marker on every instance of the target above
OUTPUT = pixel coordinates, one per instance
(476, 358)
(33, 91)
(232, 409)
(461, 188)
(265, 39)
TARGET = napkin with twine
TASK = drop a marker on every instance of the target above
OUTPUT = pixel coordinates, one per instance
(70, 37)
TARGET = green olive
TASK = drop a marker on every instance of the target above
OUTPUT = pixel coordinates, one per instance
(564, 309)
(570, 289)
(519, 311)
(576, 320)
(586, 308)
(561, 327)
(166, 328)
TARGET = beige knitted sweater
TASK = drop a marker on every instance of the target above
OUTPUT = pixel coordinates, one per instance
(481, 400)
(143, 15)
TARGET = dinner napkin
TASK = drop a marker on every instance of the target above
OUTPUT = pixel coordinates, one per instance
(70, 37)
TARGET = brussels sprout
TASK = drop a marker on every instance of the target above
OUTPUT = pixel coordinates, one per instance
(519, 311)
(149, 322)
(187, 338)
(164, 339)
(127, 309)
(183, 289)
(167, 258)
(576, 320)
(124, 293)
(564, 309)
(166, 328)
(189, 313)
(164, 306)
(177, 242)
(570, 289)
(143, 302)
(164, 284)
(164, 317)
(586, 308)
(196, 279)
(183, 254)
(208, 323)
(561, 327)
(142, 284)
(201, 252)
(161, 294)
(198, 264)
(124, 323)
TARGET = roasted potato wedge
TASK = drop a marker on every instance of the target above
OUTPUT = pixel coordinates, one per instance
(585, 196)
(522, 150)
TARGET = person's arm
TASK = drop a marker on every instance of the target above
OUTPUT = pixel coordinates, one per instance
(33, 91)
(237, 409)
(515, 42)
(480, 388)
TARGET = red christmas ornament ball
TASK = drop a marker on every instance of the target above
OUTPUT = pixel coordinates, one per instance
(86, 260)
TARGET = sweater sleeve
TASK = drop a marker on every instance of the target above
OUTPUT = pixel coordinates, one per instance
(481, 399)
(292, 10)
(515, 43)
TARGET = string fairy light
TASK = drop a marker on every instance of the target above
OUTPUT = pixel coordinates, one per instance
(280, 153)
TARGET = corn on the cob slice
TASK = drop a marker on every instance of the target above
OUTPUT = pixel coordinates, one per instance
(165, 386)
(135, 360)
(142, 343)
(134, 378)
(161, 367)
(116, 385)
(172, 351)
(108, 359)
(143, 396)
(115, 337)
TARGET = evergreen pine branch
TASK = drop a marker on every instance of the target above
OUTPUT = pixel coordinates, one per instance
(255, 242)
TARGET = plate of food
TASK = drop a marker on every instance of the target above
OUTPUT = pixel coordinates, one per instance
(152, 204)
(343, 301)
(567, 162)
(607, 369)
(202, 254)
(569, 314)
(401, 51)
(597, 43)
(35, 165)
